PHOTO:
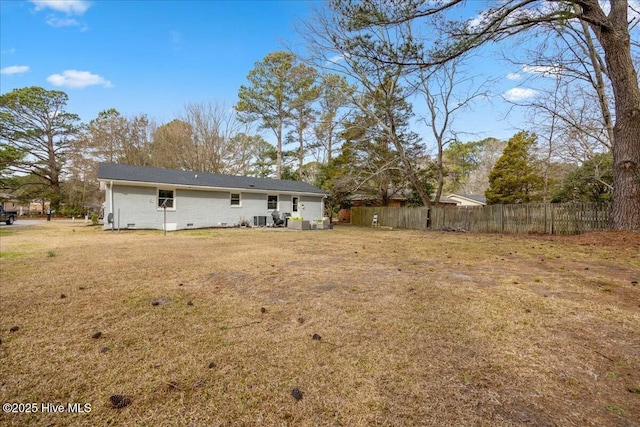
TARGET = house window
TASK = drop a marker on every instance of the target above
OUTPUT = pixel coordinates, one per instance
(272, 202)
(165, 199)
(294, 202)
(235, 199)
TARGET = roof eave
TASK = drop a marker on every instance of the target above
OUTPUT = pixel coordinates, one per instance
(208, 187)
(466, 198)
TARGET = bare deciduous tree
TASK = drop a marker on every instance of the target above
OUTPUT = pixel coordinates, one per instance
(207, 137)
(447, 90)
(611, 27)
(111, 137)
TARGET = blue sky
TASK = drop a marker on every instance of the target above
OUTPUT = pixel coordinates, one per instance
(140, 56)
(153, 57)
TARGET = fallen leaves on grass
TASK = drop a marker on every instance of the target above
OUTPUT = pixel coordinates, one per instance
(414, 347)
(118, 401)
(296, 393)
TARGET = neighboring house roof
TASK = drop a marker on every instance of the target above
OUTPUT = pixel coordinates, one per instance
(149, 175)
(368, 197)
(477, 199)
(396, 196)
(447, 201)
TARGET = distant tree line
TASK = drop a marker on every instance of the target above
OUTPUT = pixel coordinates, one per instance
(345, 116)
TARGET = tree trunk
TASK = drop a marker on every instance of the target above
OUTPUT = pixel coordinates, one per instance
(279, 152)
(329, 147)
(615, 40)
(301, 153)
(598, 84)
(440, 183)
(410, 171)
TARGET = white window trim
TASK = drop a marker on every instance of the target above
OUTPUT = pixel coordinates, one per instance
(175, 198)
(235, 206)
(277, 202)
(297, 211)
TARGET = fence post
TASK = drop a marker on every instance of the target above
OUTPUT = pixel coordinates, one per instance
(466, 219)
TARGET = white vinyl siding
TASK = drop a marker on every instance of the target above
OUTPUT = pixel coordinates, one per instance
(138, 205)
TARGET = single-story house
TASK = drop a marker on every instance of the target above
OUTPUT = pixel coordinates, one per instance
(395, 200)
(467, 199)
(35, 207)
(146, 197)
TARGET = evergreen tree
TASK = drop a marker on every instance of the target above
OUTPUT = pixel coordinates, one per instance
(591, 182)
(515, 178)
(271, 96)
(34, 122)
(9, 157)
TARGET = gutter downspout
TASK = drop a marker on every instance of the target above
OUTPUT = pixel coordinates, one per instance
(111, 203)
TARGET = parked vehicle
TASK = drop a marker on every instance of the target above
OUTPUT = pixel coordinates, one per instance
(8, 216)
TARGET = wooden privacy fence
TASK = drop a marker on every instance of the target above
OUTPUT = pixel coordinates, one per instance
(550, 218)
(412, 218)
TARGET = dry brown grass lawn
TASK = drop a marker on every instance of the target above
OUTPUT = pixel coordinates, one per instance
(416, 328)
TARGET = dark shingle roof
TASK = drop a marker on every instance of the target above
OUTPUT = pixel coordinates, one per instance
(119, 172)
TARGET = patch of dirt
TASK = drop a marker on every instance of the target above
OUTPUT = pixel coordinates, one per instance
(526, 415)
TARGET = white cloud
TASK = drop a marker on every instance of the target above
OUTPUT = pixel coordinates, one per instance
(78, 79)
(9, 51)
(539, 10)
(495, 15)
(542, 69)
(519, 94)
(634, 10)
(56, 22)
(514, 76)
(335, 59)
(15, 69)
(70, 7)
